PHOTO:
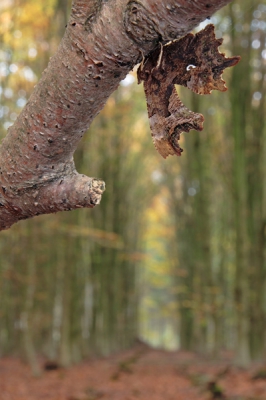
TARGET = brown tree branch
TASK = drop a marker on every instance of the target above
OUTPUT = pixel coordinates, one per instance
(102, 43)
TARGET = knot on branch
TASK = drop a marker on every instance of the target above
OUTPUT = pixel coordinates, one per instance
(139, 26)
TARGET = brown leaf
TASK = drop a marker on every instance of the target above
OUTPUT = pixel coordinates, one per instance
(193, 61)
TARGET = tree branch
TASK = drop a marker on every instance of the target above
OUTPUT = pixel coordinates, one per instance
(102, 43)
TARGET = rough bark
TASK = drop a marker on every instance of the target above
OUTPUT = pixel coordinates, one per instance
(102, 43)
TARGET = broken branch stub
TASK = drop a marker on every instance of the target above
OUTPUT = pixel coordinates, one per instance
(193, 61)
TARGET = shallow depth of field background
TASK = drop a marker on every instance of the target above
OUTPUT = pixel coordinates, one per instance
(175, 254)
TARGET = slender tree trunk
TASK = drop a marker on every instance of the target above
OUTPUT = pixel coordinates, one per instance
(65, 344)
(27, 314)
(245, 163)
(192, 220)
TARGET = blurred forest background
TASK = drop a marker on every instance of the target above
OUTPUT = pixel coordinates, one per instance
(176, 252)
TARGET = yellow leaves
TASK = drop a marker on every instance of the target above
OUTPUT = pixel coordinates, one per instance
(5, 22)
(109, 107)
(25, 22)
(36, 14)
(158, 298)
(159, 231)
(158, 213)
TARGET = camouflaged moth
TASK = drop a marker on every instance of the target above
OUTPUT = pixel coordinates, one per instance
(193, 61)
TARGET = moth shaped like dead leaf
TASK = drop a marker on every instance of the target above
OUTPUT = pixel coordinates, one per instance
(193, 61)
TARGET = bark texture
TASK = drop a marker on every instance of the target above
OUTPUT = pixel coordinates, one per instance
(103, 41)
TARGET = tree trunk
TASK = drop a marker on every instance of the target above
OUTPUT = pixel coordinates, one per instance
(26, 318)
(248, 128)
(102, 43)
(192, 226)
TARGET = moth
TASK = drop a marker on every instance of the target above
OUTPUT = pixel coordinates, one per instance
(193, 61)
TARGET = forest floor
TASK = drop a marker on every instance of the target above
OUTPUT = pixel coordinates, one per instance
(139, 374)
